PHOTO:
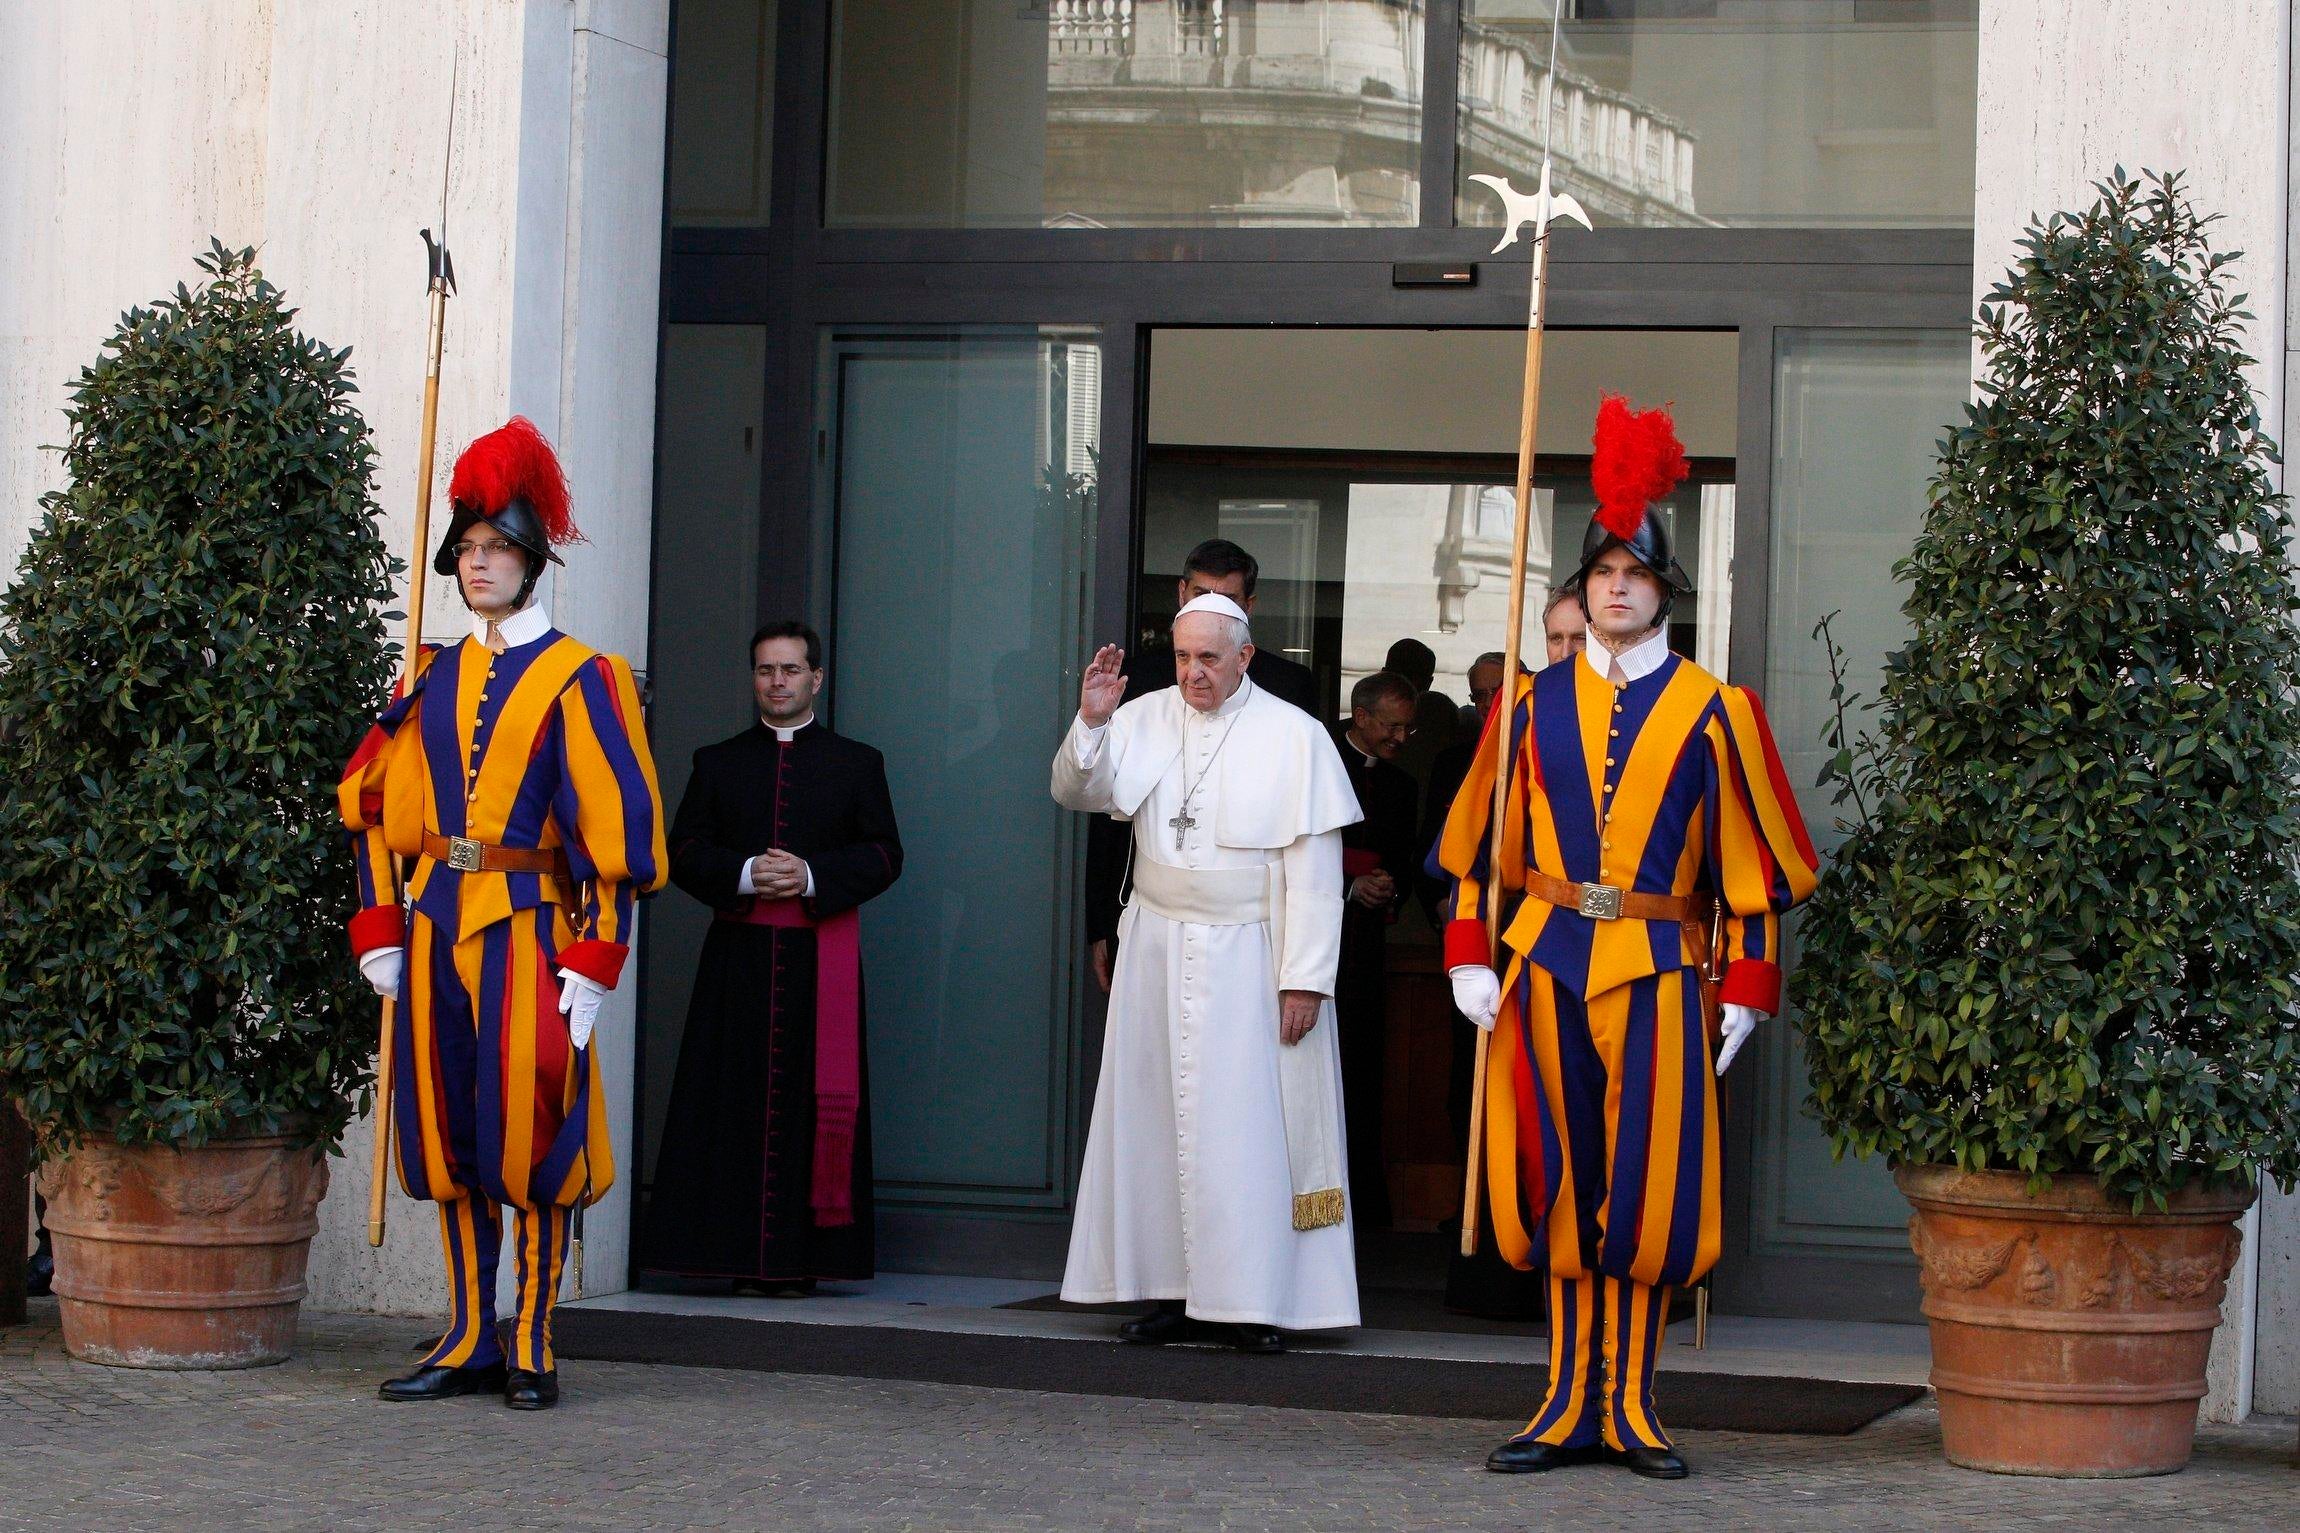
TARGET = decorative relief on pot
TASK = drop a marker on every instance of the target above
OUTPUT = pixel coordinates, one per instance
(2039, 1284)
(213, 1194)
(87, 1184)
(2176, 1279)
(2097, 1290)
(1964, 1267)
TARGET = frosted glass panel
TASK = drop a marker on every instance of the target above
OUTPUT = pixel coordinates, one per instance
(707, 497)
(1857, 414)
(964, 498)
(722, 141)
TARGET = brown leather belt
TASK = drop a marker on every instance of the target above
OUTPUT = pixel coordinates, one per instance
(1604, 902)
(470, 856)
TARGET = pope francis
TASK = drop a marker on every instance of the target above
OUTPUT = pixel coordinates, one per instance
(1213, 1182)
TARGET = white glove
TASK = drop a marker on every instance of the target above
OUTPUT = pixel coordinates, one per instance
(579, 998)
(383, 967)
(1733, 1031)
(1476, 993)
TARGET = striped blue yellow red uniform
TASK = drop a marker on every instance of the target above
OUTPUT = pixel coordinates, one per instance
(1600, 1126)
(539, 747)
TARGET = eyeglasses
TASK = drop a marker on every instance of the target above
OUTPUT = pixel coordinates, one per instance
(493, 548)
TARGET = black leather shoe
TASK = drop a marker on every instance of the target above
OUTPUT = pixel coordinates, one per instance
(444, 1383)
(1525, 1456)
(1164, 1323)
(528, 1390)
(1256, 1338)
(40, 1271)
(1653, 1463)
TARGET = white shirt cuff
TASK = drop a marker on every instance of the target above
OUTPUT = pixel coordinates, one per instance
(744, 884)
(1086, 741)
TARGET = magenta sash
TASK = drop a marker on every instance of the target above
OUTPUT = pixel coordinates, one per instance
(838, 1046)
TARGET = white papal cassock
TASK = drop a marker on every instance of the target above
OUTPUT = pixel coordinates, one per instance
(1189, 1190)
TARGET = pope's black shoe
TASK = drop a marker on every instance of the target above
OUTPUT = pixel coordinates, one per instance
(1522, 1455)
(1165, 1322)
(528, 1390)
(1256, 1338)
(444, 1383)
(1653, 1463)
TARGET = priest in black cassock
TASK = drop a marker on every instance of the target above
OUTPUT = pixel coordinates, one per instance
(765, 1169)
(1379, 864)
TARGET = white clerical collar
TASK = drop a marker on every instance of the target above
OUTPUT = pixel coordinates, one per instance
(785, 735)
(1365, 757)
(1233, 702)
(525, 626)
(1636, 663)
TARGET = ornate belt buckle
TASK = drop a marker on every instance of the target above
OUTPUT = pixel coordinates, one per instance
(463, 855)
(1601, 902)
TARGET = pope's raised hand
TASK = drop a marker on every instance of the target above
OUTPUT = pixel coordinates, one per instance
(1103, 688)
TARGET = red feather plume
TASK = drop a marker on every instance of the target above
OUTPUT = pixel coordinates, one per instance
(515, 463)
(1635, 460)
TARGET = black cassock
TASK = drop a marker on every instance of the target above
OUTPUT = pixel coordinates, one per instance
(1385, 838)
(731, 1189)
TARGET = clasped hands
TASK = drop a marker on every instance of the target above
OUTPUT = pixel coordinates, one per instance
(778, 875)
(1373, 890)
(1477, 996)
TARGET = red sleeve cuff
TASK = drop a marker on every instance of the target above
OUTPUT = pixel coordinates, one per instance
(1752, 982)
(1465, 943)
(599, 962)
(377, 926)
(1358, 861)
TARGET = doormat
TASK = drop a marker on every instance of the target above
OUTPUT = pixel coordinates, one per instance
(1387, 1309)
(1300, 1380)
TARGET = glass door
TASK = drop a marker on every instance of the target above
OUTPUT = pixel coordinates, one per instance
(1856, 414)
(957, 514)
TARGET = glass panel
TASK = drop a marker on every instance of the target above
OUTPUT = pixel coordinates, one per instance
(1745, 113)
(722, 112)
(1356, 557)
(1124, 113)
(1370, 473)
(1856, 417)
(963, 507)
(707, 497)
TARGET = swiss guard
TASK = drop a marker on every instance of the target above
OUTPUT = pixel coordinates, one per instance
(1653, 844)
(512, 784)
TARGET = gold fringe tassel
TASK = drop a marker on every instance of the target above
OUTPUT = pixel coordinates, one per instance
(1316, 1210)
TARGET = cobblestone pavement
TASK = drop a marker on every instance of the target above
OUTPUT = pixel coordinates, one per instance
(306, 1445)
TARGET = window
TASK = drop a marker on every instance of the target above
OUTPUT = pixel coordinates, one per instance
(1125, 113)
(1696, 113)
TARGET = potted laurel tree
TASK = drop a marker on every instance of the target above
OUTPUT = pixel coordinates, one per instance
(2051, 974)
(190, 651)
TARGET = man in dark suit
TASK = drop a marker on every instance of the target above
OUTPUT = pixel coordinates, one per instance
(765, 1170)
(1215, 567)
(1378, 867)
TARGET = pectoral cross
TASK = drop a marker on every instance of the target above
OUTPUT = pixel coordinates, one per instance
(1182, 824)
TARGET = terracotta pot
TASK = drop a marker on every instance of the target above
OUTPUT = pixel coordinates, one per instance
(183, 1258)
(2069, 1333)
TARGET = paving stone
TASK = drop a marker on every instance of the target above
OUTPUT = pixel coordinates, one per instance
(307, 1445)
